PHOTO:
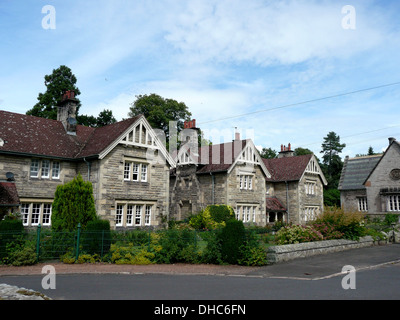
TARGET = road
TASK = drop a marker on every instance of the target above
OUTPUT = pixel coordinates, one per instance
(376, 276)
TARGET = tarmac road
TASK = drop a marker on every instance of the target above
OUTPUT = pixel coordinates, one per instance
(377, 276)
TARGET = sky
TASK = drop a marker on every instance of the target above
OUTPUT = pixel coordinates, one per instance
(279, 72)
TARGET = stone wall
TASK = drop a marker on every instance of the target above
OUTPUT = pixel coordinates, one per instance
(112, 188)
(276, 254)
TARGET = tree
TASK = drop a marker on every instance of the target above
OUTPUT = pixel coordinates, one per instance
(302, 151)
(104, 118)
(73, 204)
(268, 153)
(160, 111)
(62, 79)
(331, 162)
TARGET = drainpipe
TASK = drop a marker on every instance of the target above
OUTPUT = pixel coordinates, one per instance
(213, 183)
(88, 167)
(287, 200)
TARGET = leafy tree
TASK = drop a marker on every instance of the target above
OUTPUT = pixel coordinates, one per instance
(62, 79)
(302, 151)
(331, 162)
(73, 204)
(104, 118)
(268, 153)
(160, 111)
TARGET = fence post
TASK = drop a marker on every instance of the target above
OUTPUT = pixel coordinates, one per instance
(38, 242)
(102, 243)
(77, 241)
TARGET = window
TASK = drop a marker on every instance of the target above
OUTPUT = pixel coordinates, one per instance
(127, 170)
(44, 169)
(134, 214)
(35, 214)
(46, 214)
(135, 171)
(56, 170)
(310, 213)
(147, 215)
(34, 168)
(129, 215)
(25, 213)
(245, 182)
(246, 213)
(310, 187)
(362, 204)
(138, 216)
(393, 203)
(119, 215)
(144, 172)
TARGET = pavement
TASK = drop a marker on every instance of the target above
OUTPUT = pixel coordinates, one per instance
(311, 268)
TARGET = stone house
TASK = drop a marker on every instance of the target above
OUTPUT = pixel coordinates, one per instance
(260, 191)
(125, 161)
(295, 189)
(230, 173)
(372, 184)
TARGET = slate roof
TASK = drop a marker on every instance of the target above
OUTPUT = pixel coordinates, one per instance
(288, 168)
(39, 136)
(8, 194)
(356, 170)
(273, 205)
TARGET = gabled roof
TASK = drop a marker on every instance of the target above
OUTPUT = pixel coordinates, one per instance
(356, 170)
(223, 157)
(273, 204)
(8, 194)
(287, 169)
(34, 136)
(392, 143)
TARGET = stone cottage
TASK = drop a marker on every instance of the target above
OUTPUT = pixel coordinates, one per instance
(372, 184)
(261, 191)
(125, 161)
(295, 189)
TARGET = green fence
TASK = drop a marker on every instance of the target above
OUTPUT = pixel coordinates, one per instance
(50, 245)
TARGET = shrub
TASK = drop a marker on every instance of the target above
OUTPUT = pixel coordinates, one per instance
(11, 231)
(297, 234)
(231, 238)
(21, 254)
(251, 252)
(391, 218)
(349, 223)
(212, 217)
(328, 231)
(97, 237)
(73, 204)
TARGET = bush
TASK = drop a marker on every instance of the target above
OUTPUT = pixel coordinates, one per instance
(328, 231)
(212, 217)
(97, 237)
(251, 252)
(349, 223)
(231, 238)
(11, 231)
(297, 234)
(21, 254)
(391, 218)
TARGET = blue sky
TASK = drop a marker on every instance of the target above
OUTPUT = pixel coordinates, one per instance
(223, 58)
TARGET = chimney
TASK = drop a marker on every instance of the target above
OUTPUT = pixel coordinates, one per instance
(286, 151)
(67, 111)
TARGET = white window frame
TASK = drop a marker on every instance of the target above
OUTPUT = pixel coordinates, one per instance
(362, 204)
(143, 172)
(147, 215)
(46, 165)
(46, 214)
(129, 214)
(138, 215)
(36, 214)
(135, 171)
(25, 210)
(119, 215)
(55, 170)
(35, 168)
(127, 170)
(393, 203)
(245, 182)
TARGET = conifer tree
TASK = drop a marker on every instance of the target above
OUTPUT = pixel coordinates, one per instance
(73, 204)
